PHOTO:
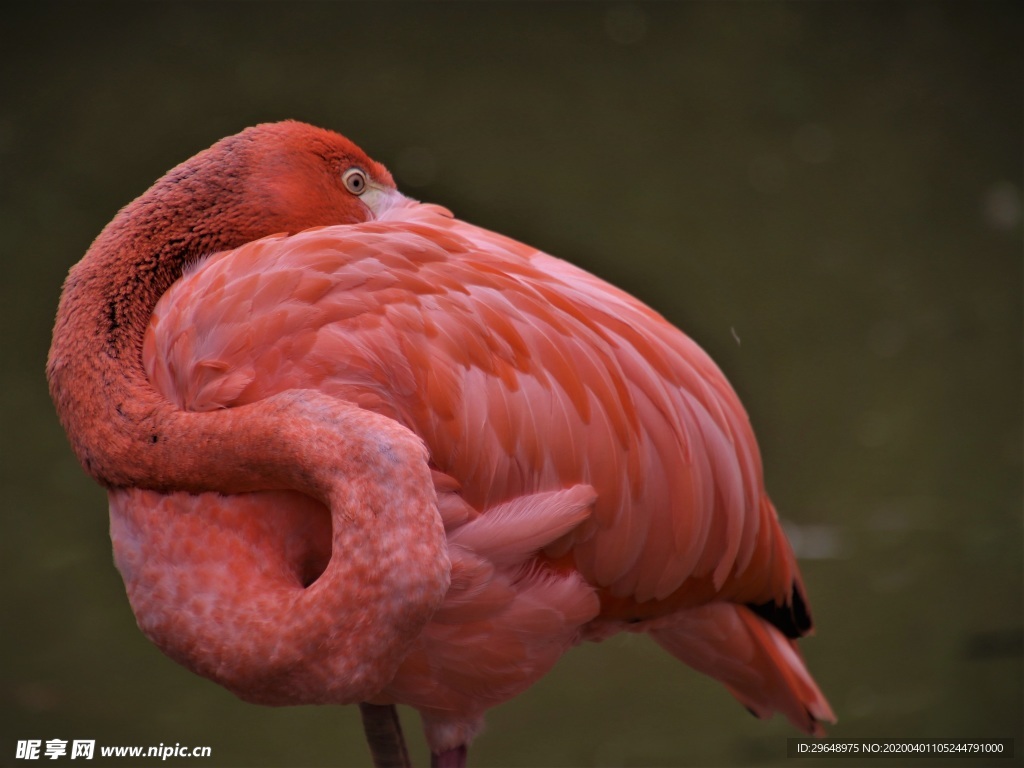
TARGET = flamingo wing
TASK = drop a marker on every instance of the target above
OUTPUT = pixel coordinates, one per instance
(525, 376)
(521, 372)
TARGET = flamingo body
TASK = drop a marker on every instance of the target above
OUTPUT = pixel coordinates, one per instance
(590, 466)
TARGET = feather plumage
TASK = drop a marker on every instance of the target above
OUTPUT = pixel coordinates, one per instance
(592, 464)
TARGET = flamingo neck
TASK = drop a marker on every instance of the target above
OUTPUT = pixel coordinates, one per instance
(233, 605)
(123, 431)
(372, 473)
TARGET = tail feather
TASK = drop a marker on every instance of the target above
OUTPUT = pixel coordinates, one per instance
(757, 663)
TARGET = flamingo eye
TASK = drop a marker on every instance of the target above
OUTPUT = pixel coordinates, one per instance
(354, 180)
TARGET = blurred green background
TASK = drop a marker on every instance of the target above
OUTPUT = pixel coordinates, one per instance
(826, 196)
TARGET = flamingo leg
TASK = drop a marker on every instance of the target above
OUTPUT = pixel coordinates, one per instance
(384, 736)
(450, 758)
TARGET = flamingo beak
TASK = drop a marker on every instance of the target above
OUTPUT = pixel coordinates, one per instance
(380, 199)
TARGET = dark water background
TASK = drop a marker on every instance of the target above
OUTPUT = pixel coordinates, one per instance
(827, 196)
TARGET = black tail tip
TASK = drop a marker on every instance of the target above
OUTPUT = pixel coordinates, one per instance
(792, 618)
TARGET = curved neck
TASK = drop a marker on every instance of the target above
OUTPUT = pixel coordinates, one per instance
(232, 607)
(123, 431)
(371, 472)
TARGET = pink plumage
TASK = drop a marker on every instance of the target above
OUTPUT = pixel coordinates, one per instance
(589, 465)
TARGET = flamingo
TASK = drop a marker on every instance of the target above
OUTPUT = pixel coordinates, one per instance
(360, 451)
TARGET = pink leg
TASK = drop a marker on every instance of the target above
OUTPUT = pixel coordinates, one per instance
(450, 758)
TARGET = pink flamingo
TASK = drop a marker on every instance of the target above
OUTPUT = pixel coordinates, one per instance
(358, 450)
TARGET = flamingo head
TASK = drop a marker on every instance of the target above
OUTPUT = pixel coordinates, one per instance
(304, 176)
(269, 179)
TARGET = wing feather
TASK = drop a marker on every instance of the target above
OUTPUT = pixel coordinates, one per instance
(523, 374)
